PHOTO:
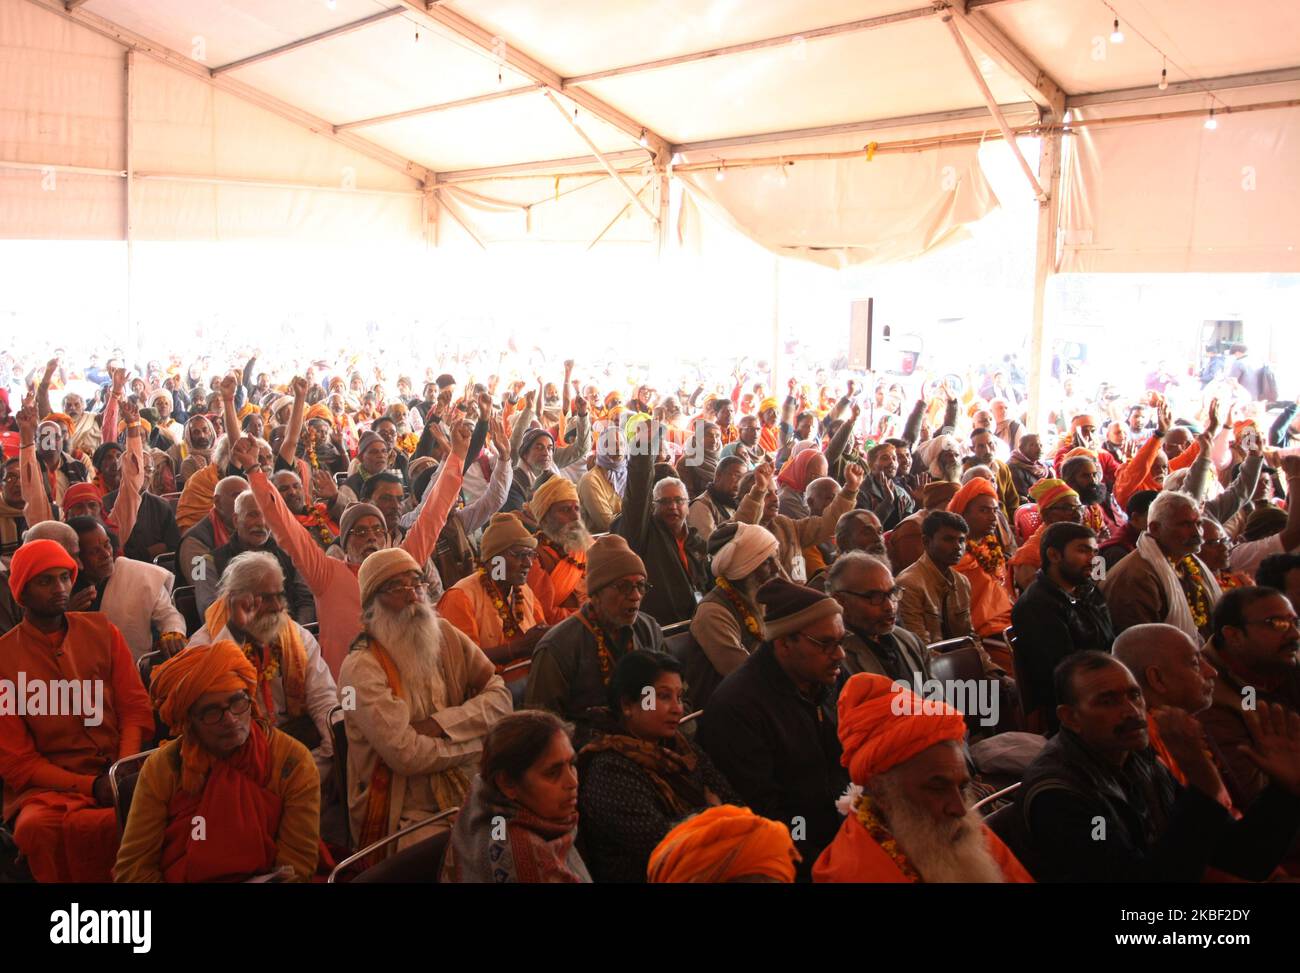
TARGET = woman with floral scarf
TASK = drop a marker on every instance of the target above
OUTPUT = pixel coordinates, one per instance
(641, 776)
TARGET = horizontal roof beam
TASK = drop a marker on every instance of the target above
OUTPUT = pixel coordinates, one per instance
(440, 107)
(1195, 86)
(339, 31)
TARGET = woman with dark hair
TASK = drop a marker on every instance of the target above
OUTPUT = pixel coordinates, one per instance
(521, 818)
(642, 776)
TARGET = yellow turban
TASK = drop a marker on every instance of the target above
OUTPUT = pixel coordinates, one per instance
(557, 489)
(722, 844)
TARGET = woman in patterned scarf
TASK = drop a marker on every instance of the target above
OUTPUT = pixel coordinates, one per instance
(641, 776)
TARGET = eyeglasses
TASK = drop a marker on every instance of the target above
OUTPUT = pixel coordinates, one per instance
(395, 587)
(523, 553)
(625, 588)
(212, 715)
(1278, 623)
(364, 532)
(875, 598)
(1224, 542)
(672, 501)
(829, 646)
(270, 597)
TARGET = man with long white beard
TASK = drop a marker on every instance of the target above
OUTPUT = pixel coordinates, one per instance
(418, 698)
(294, 686)
(559, 575)
(907, 814)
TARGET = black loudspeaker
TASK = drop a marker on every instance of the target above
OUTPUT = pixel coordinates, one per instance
(860, 334)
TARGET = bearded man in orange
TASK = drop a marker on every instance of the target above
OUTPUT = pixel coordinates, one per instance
(907, 817)
(985, 565)
(252, 789)
(559, 575)
(55, 764)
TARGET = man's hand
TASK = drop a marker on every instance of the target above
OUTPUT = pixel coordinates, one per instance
(856, 411)
(1291, 466)
(485, 407)
(229, 385)
(853, 477)
(1185, 739)
(580, 405)
(763, 478)
(1164, 419)
(244, 453)
(323, 487)
(103, 791)
(51, 367)
(119, 380)
(80, 601)
(500, 441)
(461, 432)
(1212, 419)
(1275, 748)
(131, 416)
(568, 368)
(428, 727)
(27, 421)
(299, 388)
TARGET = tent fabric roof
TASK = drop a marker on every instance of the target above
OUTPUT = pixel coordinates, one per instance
(299, 91)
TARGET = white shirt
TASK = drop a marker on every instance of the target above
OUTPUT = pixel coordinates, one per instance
(138, 600)
(1247, 556)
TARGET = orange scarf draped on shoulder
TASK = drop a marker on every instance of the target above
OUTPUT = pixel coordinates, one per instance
(292, 662)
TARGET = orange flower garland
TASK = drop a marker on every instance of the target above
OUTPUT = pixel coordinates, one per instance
(869, 816)
(510, 615)
(752, 624)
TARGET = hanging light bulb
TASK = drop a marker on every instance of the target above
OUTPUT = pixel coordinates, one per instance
(1116, 35)
(645, 142)
(677, 158)
(1211, 123)
(1164, 79)
(720, 175)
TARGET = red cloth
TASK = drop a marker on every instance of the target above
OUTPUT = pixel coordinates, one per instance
(795, 473)
(37, 557)
(882, 726)
(854, 856)
(241, 818)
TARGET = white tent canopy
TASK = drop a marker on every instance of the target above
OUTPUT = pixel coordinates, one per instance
(840, 131)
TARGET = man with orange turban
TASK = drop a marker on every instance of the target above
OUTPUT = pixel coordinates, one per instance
(984, 565)
(724, 844)
(907, 818)
(232, 797)
(79, 707)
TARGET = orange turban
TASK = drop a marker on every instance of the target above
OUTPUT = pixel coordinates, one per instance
(220, 667)
(976, 487)
(1080, 451)
(246, 410)
(319, 411)
(1051, 491)
(722, 844)
(882, 725)
(37, 557)
(63, 419)
(768, 403)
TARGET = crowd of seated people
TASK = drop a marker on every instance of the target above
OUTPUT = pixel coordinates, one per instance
(582, 633)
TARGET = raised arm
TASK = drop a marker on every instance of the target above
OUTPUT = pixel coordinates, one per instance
(36, 502)
(289, 448)
(423, 536)
(640, 481)
(127, 506)
(43, 389)
(292, 536)
(229, 386)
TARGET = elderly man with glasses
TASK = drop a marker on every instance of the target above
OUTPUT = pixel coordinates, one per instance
(294, 689)
(494, 606)
(864, 587)
(770, 726)
(573, 662)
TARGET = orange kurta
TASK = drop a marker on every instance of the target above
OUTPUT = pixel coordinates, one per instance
(467, 606)
(559, 582)
(49, 762)
(990, 606)
(854, 856)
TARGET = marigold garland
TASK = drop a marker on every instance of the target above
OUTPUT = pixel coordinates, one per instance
(752, 624)
(603, 655)
(870, 817)
(512, 615)
(1189, 577)
(989, 555)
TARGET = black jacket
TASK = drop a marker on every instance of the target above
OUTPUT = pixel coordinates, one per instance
(1155, 830)
(1049, 625)
(779, 749)
(301, 604)
(155, 523)
(672, 595)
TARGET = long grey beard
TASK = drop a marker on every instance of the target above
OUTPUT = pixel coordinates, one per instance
(950, 852)
(413, 640)
(574, 538)
(266, 626)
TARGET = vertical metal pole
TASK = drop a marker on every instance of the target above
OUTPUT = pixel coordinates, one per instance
(129, 346)
(1040, 348)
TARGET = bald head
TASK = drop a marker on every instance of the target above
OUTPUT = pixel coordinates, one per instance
(224, 495)
(1169, 666)
(819, 494)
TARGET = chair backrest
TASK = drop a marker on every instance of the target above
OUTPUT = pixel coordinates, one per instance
(121, 780)
(950, 645)
(962, 663)
(675, 628)
(144, 665)
(339, 736)
(313, 627)
(995, 797)
(370, 854)
(516, 677)
(1030, 705)
(1008, 823)
(187, 604)
(167, 561)
(172, 500)
(421, 863)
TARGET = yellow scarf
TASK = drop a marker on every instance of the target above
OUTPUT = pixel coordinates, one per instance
(290, 664)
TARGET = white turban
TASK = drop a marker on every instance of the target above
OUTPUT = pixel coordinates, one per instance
(742, 555)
